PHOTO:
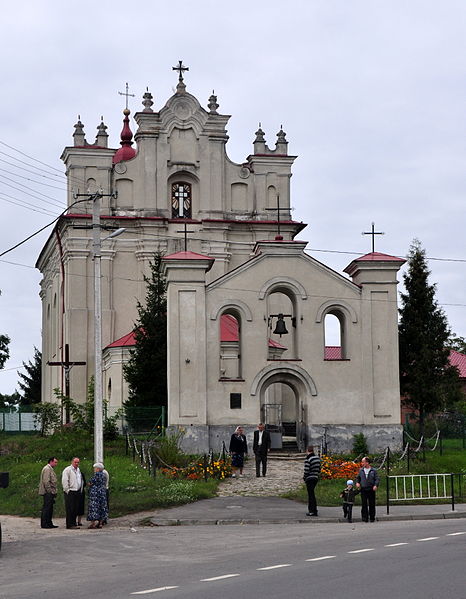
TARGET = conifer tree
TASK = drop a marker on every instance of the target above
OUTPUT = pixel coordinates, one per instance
(146, 370)
(428, 381)
(4, 351)
(31, 382)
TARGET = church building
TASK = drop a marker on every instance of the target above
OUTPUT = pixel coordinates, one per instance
(248, 309)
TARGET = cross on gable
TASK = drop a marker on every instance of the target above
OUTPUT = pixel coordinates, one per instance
(127, 94)
(373, 233)
(180, 68)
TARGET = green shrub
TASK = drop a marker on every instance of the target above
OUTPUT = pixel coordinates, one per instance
(360, 444)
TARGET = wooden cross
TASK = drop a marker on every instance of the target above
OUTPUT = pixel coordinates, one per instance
(373, 233)
(127, 94)
(278, 210)
(186, 233)
(180, 68)
(67, 366)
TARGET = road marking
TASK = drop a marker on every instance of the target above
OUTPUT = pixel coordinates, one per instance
(218, 577)
(317, 559)
(273, 567)
(153, 590)
(427, 539)
(453, 534)
(360, 550)
(395, 544)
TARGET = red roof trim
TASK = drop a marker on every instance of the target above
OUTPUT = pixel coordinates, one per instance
(128, 340)
(377, 256)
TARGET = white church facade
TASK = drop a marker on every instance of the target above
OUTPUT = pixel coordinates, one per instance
(247, 306)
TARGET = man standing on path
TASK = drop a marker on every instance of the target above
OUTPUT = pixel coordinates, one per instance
(72, 483)
(311, 478)
(368, 481)
(261, 446)
(48, 489)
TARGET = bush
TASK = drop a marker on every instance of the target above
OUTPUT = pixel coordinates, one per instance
(360, 445)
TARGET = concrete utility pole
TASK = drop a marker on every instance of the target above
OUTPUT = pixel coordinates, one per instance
(97, 256)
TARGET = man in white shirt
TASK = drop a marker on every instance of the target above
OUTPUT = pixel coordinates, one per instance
(72, 483)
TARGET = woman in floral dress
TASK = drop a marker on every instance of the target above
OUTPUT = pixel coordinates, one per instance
(97, 510)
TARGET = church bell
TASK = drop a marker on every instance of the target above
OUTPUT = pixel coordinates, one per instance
(280, 327)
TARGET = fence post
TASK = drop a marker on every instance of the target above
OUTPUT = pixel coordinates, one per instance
(205, 467)
(388, 494)
(452, 492)
(407, 457)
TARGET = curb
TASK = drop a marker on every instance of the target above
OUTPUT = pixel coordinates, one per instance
(311, 521)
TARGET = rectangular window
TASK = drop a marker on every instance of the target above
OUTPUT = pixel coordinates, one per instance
(235, 401)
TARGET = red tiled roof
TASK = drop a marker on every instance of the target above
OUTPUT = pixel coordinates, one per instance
(127, 340)
(332, 352)
(458, 360)
(377, 256)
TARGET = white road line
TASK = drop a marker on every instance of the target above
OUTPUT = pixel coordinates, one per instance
(454, 534)
(427, 539)
(273, 567)
(317, 559)
(395, 544)
(360, 550)
(219, 577)
(153, 590)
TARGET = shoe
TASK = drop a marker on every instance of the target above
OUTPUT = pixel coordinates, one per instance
(350, 520)
(79, 523)
(311, 514)
(371, 520)
(50, 526)
(73, 527)
(258, 475)
(53, 526)
(365, 520)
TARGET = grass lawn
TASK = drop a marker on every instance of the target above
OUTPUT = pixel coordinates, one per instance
(131, 487)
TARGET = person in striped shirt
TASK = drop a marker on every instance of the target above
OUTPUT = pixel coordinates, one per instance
(311, 478)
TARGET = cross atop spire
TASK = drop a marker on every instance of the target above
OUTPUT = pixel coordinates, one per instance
(180, 68)
(373, 233)
(127, 94)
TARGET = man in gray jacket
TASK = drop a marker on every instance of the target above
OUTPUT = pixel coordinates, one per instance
(368, 481)
(48, 490)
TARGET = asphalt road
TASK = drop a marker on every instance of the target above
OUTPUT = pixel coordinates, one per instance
(387, 560)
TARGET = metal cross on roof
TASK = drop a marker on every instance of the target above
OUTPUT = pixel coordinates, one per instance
(180, 68)
(186, 233)
(127, 94)
(373, 233)
(278, 210)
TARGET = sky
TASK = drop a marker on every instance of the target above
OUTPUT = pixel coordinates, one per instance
(371, 94)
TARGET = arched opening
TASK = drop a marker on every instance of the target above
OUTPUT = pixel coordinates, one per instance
(282, 339)
(230, 345)
(334, 335)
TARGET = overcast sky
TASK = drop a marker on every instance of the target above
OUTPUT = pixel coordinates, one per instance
(370, 93)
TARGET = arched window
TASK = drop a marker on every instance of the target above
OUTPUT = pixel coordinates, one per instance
(181, 199)
(334, 335)
(282, 338)
(230, 346)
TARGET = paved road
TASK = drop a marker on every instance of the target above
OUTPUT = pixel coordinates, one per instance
(411, 559)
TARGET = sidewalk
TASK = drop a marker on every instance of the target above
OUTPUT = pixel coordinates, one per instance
(274, 510)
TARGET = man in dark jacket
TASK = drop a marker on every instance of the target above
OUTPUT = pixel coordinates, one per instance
(261, 446)
(311, 478)
(368, 481)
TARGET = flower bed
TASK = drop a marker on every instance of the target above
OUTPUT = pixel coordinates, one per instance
(218, 469)
(337, 468)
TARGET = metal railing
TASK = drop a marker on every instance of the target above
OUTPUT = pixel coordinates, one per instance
(418, 487)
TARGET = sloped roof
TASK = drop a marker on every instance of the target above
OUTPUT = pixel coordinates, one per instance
(332, 352)
(127, 340)
(377, 256)
(458, 360)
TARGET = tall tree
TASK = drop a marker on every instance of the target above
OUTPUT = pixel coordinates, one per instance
(428, 381)
(146, 370)
(31, 381)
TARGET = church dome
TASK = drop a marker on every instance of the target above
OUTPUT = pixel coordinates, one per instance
(126, 152)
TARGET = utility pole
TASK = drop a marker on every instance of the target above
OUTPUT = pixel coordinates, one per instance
(96, 256)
